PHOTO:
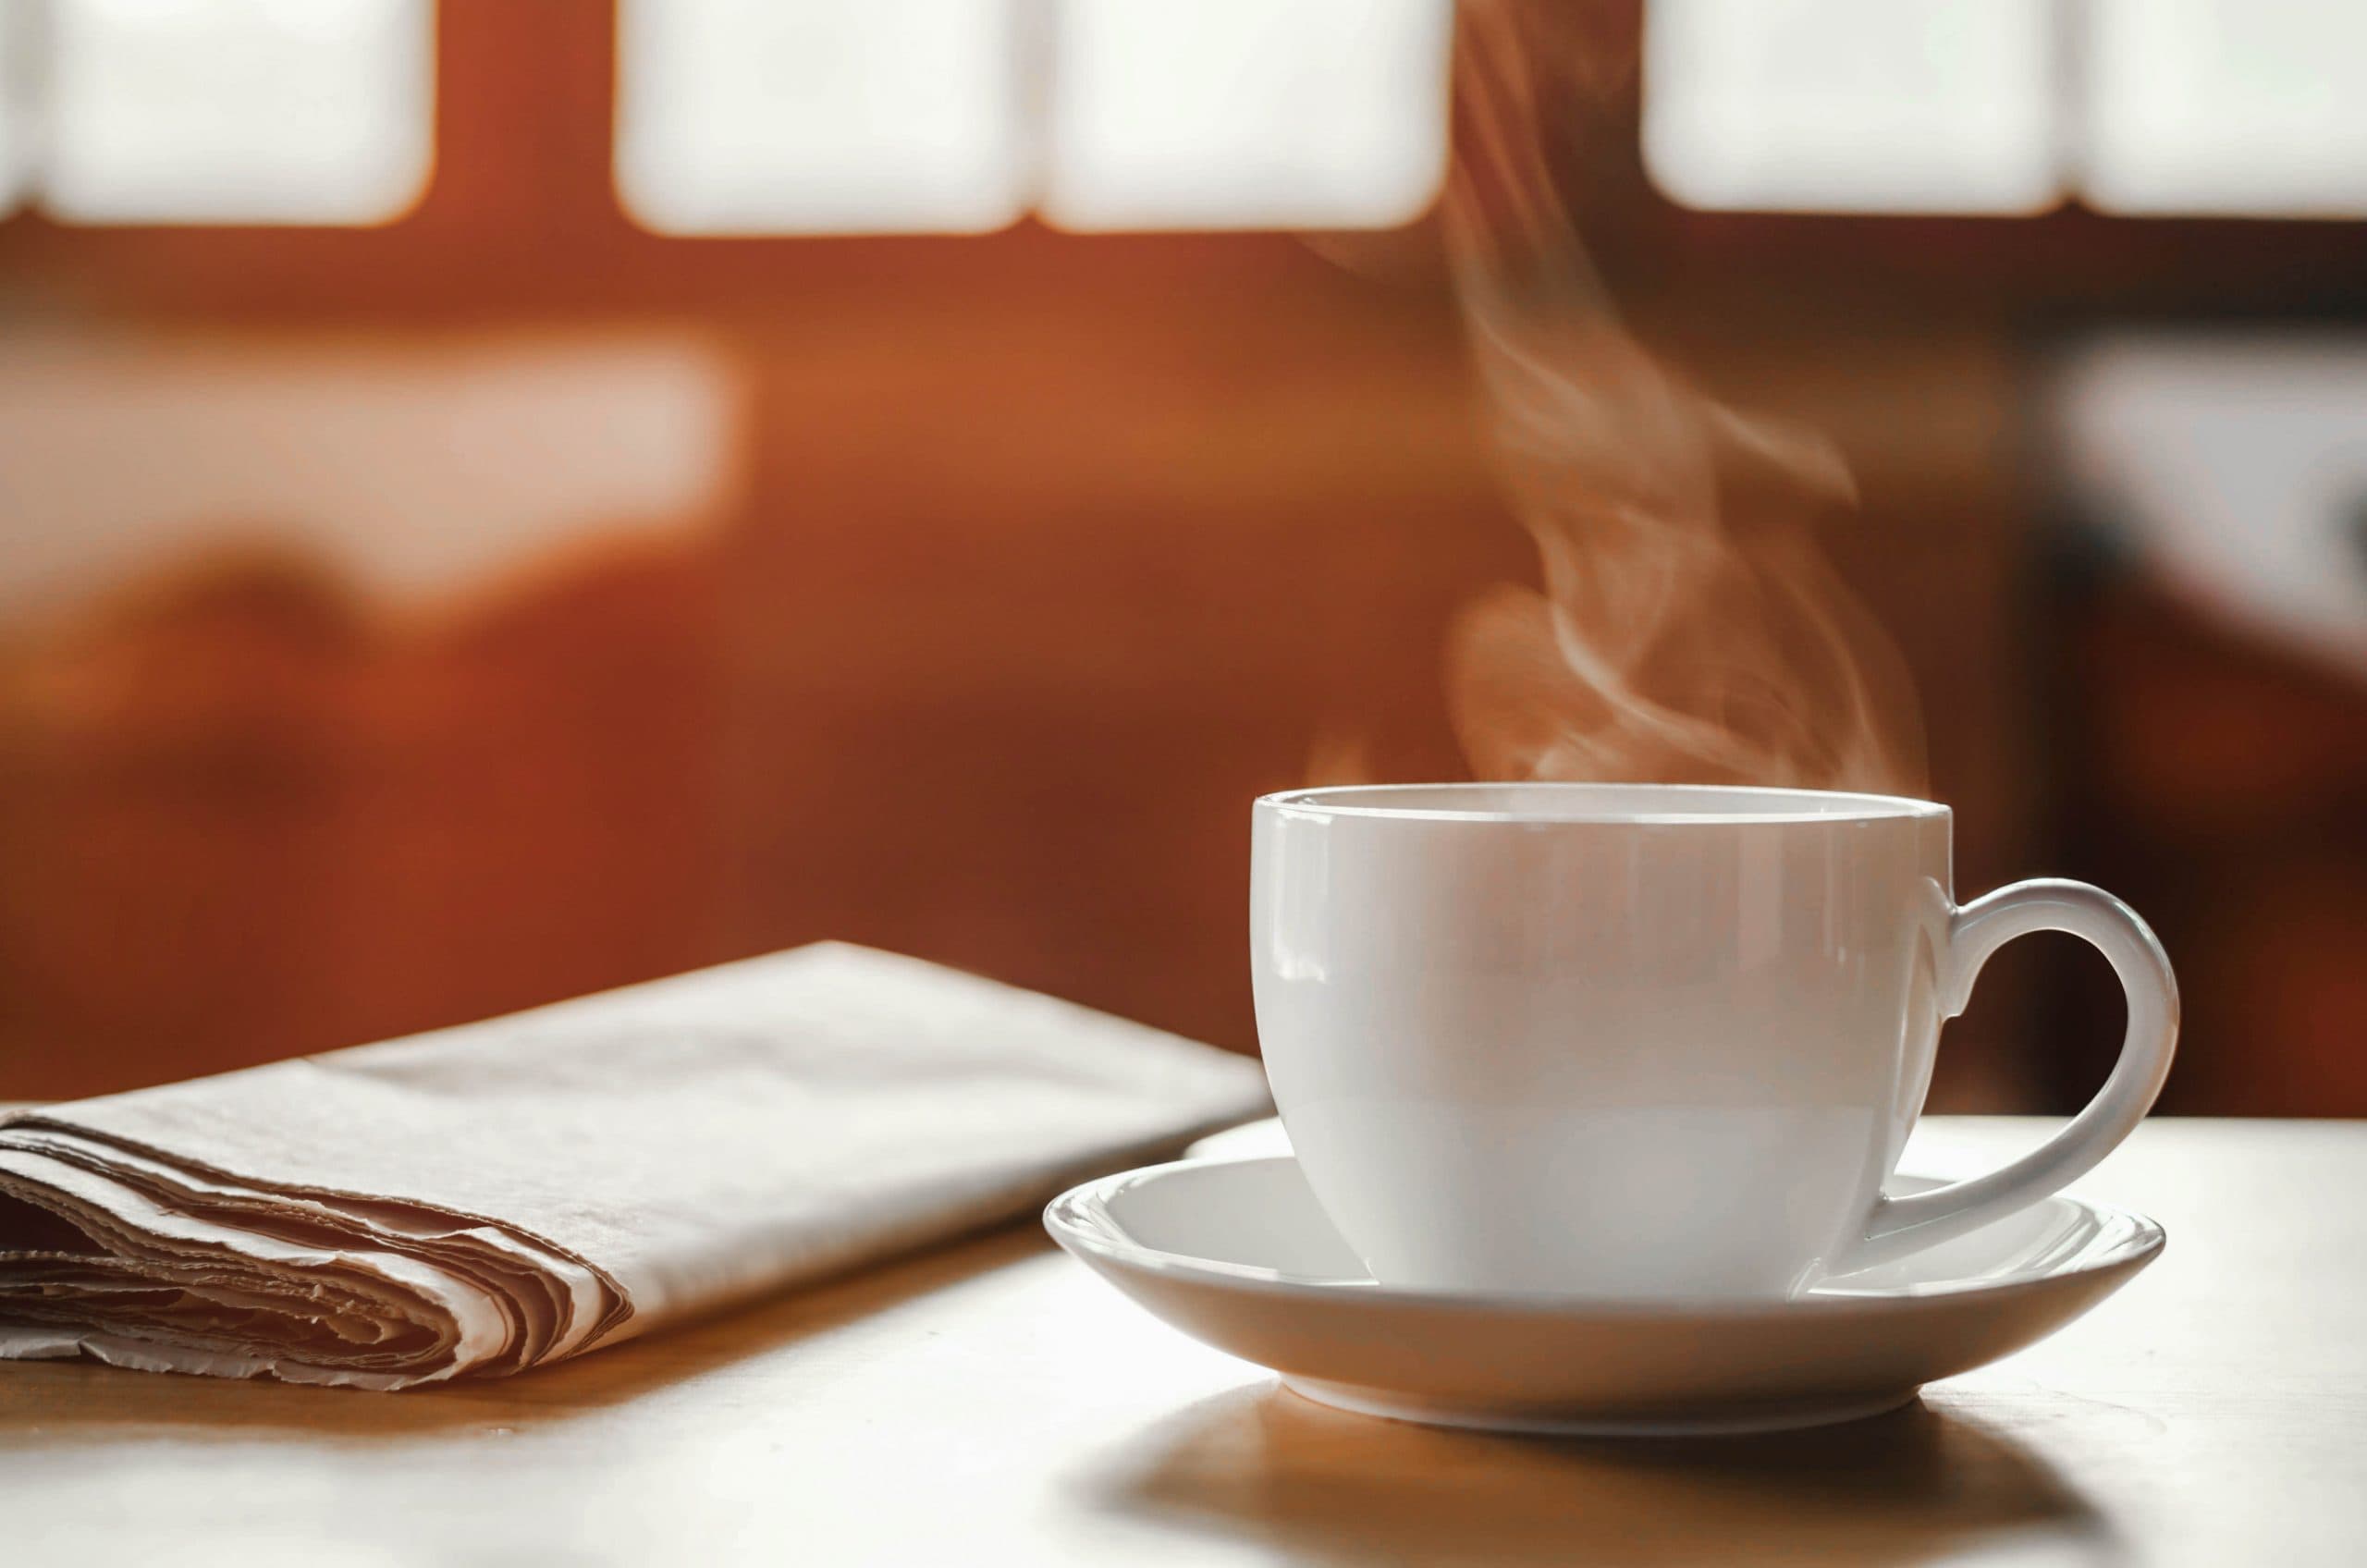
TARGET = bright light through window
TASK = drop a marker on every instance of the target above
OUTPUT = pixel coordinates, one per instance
(1853, 105)
(795, 116)
(16, 84)
(238, 111)
(2248, 106)
(1226, 114)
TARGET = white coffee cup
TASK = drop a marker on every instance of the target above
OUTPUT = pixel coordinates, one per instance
(1642, 1040)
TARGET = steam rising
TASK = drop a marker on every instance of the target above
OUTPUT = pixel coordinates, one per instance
(1688, 629)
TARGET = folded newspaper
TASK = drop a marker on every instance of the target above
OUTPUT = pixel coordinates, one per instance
(488, 1198)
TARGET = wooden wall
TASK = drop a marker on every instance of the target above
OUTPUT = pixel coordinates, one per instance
(1045, 554)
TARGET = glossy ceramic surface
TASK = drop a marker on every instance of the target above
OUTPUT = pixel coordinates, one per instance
(1239, 1254)
(1641, 1040)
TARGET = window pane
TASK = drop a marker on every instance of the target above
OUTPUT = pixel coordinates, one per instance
(1240, 114)
(819, 117)
(238, 111)
(2255, 106)
(16, 100)
(1852, 106)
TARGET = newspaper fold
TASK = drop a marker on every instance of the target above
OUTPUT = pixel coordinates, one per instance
(488, 1198)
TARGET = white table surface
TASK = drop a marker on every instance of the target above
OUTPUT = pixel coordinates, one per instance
(992, 1403)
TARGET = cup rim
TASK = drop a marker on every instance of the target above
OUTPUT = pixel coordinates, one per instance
(1651, 805)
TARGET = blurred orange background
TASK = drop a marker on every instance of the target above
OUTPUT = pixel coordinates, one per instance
(405, 623)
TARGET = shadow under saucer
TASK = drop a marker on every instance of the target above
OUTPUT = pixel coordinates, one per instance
(1261, 1464)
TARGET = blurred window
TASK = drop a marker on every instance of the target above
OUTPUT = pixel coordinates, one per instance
(1246, 114)
(2251, 107)
(16, 99)
(235, 111)
(814, 116)
(2238, 106)
(819, 117)
(1852, 106)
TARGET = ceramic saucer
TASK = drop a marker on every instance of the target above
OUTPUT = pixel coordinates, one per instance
(1237, 1254)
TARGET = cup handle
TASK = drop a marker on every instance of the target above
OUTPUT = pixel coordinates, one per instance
(1902, 1225)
